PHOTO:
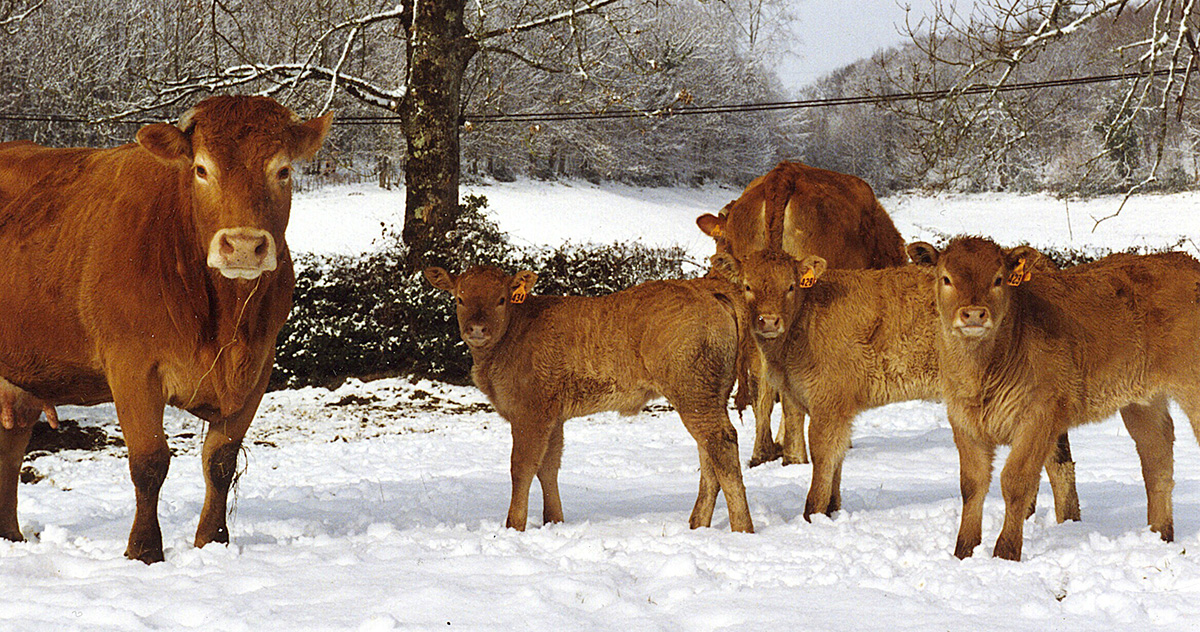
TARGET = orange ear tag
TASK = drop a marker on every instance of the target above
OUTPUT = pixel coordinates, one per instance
(717, 232)
(808, 279)
(1019, 274)
(519, 294)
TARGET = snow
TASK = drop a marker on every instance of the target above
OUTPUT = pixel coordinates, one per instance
(379, 505)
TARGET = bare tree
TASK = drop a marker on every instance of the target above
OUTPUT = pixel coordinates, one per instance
(1003, 42)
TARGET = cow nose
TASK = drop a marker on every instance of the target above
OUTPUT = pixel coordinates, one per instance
(974, 316)
(242, 253)
(769, 324)
(476, 334)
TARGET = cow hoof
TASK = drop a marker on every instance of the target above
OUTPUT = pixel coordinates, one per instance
(765, 456)
(13, 536)
(145, 555)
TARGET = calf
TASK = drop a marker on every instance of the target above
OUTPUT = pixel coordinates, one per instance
(1026, 356)
(542, 360)
(844, 341)
(802, 210)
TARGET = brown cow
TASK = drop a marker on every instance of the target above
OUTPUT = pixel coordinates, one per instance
(802, 210)
(151, 274)
(546, 359)
(1026, 356)
(844, 341)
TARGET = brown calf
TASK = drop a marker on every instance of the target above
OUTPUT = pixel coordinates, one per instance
(844, 341)
(802, 210)
(151, 274)
(547, 359)
(1026, 356)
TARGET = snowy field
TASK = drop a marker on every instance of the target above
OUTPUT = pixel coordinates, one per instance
(379, 506)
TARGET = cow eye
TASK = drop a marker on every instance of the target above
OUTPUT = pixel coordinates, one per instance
(791, 288)
(459, 300)
(201, 172)
(284, 173)
(946, 281)
(501, 301)
(996, 282)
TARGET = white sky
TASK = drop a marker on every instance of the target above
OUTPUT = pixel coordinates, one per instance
(833, 33)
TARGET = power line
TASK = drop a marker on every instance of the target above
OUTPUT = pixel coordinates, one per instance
(691, 110)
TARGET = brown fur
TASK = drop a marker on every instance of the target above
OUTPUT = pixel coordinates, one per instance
(109, 297)
(802, 210)
(552, 358)
(1022, 364)
(855, 340)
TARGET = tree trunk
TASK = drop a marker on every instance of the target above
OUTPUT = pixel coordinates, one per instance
(438, 52)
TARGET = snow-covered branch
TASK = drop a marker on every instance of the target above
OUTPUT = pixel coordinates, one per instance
(10, 18)
(279, 77)
(590, 7)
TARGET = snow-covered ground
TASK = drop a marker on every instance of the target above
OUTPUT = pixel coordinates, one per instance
(379, 506)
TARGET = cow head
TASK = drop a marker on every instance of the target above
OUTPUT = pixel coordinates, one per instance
(484, 297)
(235, 155)
(976, 282)
(774, 284)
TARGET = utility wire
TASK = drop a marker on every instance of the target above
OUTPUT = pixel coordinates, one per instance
(689, 110)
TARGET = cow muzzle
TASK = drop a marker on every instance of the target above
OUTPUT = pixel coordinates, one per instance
(476, 336)
(768, 326)
(242, 253)
(973, 321)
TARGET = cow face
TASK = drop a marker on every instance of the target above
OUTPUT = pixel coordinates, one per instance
(774, 284)
(976, 282)
(484, 296)
(234, 155)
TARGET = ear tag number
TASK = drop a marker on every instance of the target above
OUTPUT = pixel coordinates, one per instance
(1019, 274)
(808, 279)
(519, 294)
(717, 232)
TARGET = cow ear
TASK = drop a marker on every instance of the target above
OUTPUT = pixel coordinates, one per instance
(812, 267)
(1032, 258)
(166, 142)
(525, 278)
(923, 253)
(724, 266)
(439, 278)
(305, 139)
(712, 225)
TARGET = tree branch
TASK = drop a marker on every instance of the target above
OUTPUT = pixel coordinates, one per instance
(591, 7)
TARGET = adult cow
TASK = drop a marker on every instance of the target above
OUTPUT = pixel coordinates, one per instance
(150, 274)
(802, 211)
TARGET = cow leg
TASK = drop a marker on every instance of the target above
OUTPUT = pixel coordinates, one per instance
(765, 448)
(791, 431)
(1060, 469)
(1153, 433)
(531, 440)
(974, 477)
(12, 452)
(219, 459)
(548, 477)
(706, 498)
(709, 425)
(139, 401)
(829, 431)
(1019, 483)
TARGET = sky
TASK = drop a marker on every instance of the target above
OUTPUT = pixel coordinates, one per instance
(833, 33)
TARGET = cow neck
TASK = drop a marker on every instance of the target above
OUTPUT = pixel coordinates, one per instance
(483, 360)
